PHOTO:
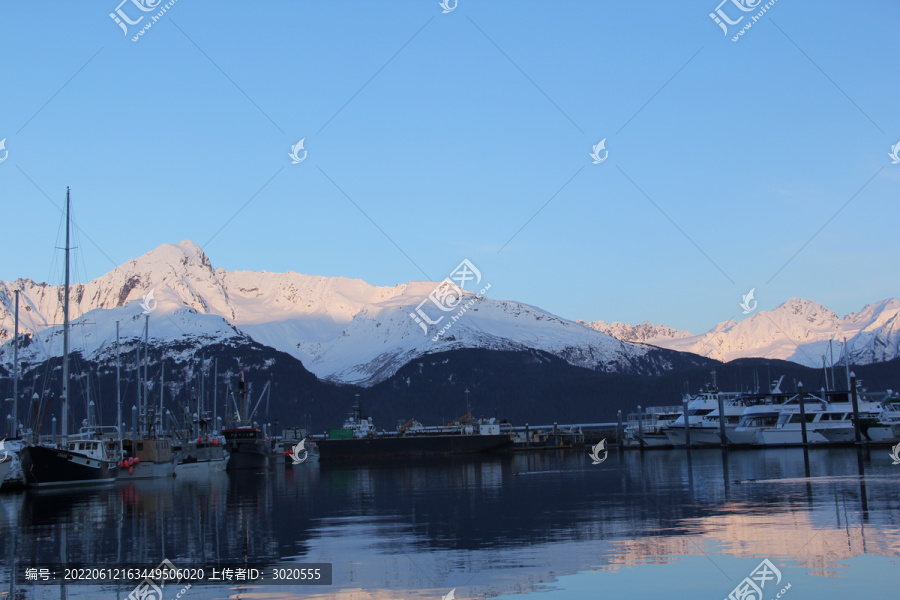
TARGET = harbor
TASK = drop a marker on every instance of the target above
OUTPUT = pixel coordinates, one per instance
(637, 515)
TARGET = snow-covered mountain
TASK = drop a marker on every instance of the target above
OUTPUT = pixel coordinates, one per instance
(343, 330)
(645, 333)
(798, 330)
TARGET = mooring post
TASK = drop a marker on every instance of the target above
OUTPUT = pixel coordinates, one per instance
(722, 437)
(620, 434)
(802, 413)
(687, 429)
(855, 396)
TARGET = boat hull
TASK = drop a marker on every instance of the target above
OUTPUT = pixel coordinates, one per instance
(200, 467)
(742, 437)
(788, 437)
(148, 470)
(707, 436)
(649, 440)
(49, 467)
(884, 433)
(247, 455)
(422, 445)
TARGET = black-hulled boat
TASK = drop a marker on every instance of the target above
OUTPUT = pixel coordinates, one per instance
(83, 460)
(247, 444)
(92, 456)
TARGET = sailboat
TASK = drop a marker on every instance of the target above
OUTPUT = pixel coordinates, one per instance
(89, 457)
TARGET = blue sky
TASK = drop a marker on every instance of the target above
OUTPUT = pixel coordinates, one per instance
(434, 137)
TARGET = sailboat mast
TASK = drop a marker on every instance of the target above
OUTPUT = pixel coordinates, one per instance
(65, 364)
(162, 387)
(146, 408)
(215, 399)
(118, 395)
(15, 406)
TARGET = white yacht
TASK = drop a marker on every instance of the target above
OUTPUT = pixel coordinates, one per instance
(703, 405)
(828, 420)
(648, 428)
(886, 428)
(707, 432)
(754, 419)
(762, 411)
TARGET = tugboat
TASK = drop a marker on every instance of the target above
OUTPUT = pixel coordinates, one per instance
(90, 457)
(246, 443)
(359, 439)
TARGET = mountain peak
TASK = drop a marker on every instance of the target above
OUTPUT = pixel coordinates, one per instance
(183, 253)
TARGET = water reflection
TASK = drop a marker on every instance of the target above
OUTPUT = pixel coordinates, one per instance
(485, 526)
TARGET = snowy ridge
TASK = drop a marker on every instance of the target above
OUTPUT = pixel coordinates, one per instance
(643, 333)
(343, 330)
(798, 330)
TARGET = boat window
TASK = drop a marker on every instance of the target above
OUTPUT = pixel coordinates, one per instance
(140, 445)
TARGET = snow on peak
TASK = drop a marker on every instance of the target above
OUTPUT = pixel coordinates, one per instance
(644, 333)
(798, 330)
(342, 329)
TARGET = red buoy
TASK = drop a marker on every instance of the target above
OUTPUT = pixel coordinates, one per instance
(137, 460)
(130, 461)
(131, 470)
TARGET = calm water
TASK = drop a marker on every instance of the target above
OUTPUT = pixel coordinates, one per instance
(550, 526)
